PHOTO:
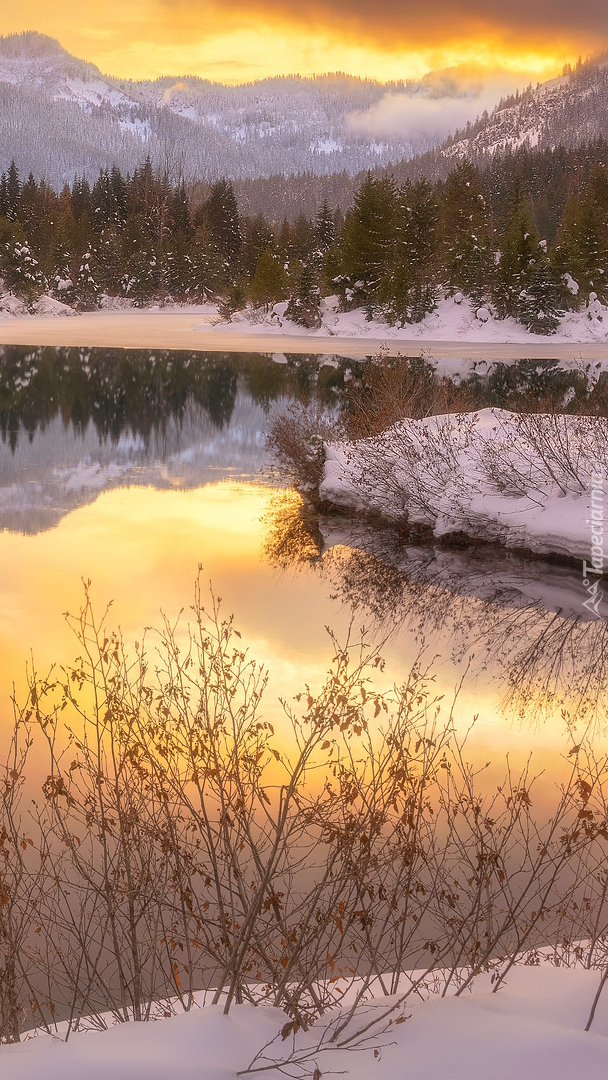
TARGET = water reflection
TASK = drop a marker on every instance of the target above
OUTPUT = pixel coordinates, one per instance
(75, 422)
(523, 620)
(148, 464)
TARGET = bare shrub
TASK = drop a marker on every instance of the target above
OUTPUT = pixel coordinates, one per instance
(549, 450)
(295, 440)
(17, 884)
(178, 843)
(393, 388)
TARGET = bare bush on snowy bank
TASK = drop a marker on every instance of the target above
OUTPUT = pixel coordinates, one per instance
(177, 843)
(522, 479)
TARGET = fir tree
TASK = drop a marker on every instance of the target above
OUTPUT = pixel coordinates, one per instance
(518, 252)
(465, 233)
(269, 281)
(221, 216)
(365, 251)
(13, 192)
(19, 266)
(525, 284)
(303, 308)
(325, 228)
(540, 303)
(582, 250)
(408, 290)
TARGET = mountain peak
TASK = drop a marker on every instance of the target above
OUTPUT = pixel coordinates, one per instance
(31, 44)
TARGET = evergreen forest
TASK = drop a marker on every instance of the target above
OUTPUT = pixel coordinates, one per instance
(526, 237)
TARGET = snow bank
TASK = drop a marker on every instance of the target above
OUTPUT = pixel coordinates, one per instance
(454, 319)
(44, 305)
(533, 1027)
(523, 481)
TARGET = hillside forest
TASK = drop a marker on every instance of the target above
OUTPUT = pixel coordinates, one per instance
(526, 237)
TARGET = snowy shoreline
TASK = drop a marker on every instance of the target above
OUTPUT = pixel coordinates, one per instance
(451, 333)
(534, 1027)
(530, 483)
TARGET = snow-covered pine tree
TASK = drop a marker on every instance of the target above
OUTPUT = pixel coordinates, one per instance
(365, 251)
(221, 216)
(303, 308)
(525, 283)
(582, 247)
(540, 305)
(408, 290)
(465, 233)
(18, 265)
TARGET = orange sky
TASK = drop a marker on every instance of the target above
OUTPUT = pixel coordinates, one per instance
(390, 39)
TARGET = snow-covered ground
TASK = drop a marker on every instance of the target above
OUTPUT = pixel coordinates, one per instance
(452, 333)
(533, 1029)
(46, 305)
(454, 319)
(533, 482)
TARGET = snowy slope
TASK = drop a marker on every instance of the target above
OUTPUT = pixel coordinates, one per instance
(49, 100)
(563, 112)
(533, 1028)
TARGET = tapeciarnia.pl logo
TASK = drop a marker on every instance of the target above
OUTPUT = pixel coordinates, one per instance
(594, 569)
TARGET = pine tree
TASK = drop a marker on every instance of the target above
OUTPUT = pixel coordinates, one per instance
(141, 267)
(366, 246)
(221, 216)
(582, 249)
(19, 266)
(303, 308)
(540, 303)
(13, 192)
(325, 228)
(519, 249)
(408, 290)
(176, 272)
(86, 286)
(465, 233)
(269, 280)
(525, 284)
(257, 235)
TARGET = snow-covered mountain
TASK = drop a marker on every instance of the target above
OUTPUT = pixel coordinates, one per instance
(61, 117)
(563, 112)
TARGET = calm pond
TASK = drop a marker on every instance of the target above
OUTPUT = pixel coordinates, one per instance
(131, 469)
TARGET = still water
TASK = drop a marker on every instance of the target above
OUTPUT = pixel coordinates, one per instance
(133, 469)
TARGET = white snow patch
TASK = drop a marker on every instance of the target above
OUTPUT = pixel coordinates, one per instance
(481, 474)
(534, 1027)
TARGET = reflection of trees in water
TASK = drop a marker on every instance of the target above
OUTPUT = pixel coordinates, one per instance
(114, 389)
(136, 390)
(293, 535)
(521, 620)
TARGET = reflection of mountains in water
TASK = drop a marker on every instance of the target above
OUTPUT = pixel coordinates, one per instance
(61, 468)
(75, 422)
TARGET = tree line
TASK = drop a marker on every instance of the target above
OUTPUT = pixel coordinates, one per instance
(396, 250)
